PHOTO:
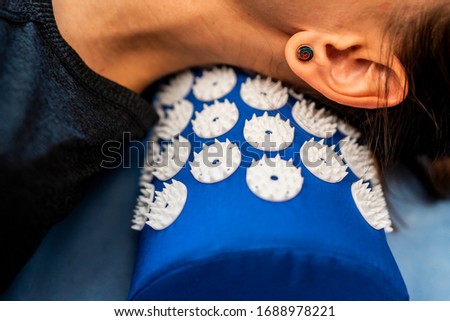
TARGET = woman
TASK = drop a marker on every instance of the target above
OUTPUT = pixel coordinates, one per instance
(367, 54)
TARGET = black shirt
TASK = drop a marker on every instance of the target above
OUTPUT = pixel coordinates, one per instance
(55, 115)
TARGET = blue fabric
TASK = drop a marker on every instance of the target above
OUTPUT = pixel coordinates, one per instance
(228, 244)
(420, 248)
(89, 255)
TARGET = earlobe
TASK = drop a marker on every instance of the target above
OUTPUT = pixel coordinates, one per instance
(349, 70)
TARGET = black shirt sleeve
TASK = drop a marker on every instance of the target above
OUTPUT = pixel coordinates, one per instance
(55, 116)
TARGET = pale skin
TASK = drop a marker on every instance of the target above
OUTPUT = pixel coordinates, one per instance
(135, 43)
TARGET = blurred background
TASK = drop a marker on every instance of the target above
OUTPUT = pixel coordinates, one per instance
(421, 245)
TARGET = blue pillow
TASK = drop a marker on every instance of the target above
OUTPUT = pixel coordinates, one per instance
(251, 191)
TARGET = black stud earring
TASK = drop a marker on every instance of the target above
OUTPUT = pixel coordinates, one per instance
(305, 53)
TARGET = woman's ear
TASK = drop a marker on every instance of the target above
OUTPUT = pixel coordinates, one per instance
(350, 70)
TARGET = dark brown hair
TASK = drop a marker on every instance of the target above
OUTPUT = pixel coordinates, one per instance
(417, 131)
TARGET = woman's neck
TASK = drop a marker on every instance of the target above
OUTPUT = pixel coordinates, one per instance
(135, 43)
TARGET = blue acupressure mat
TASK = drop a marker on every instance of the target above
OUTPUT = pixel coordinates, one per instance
(260, 211)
